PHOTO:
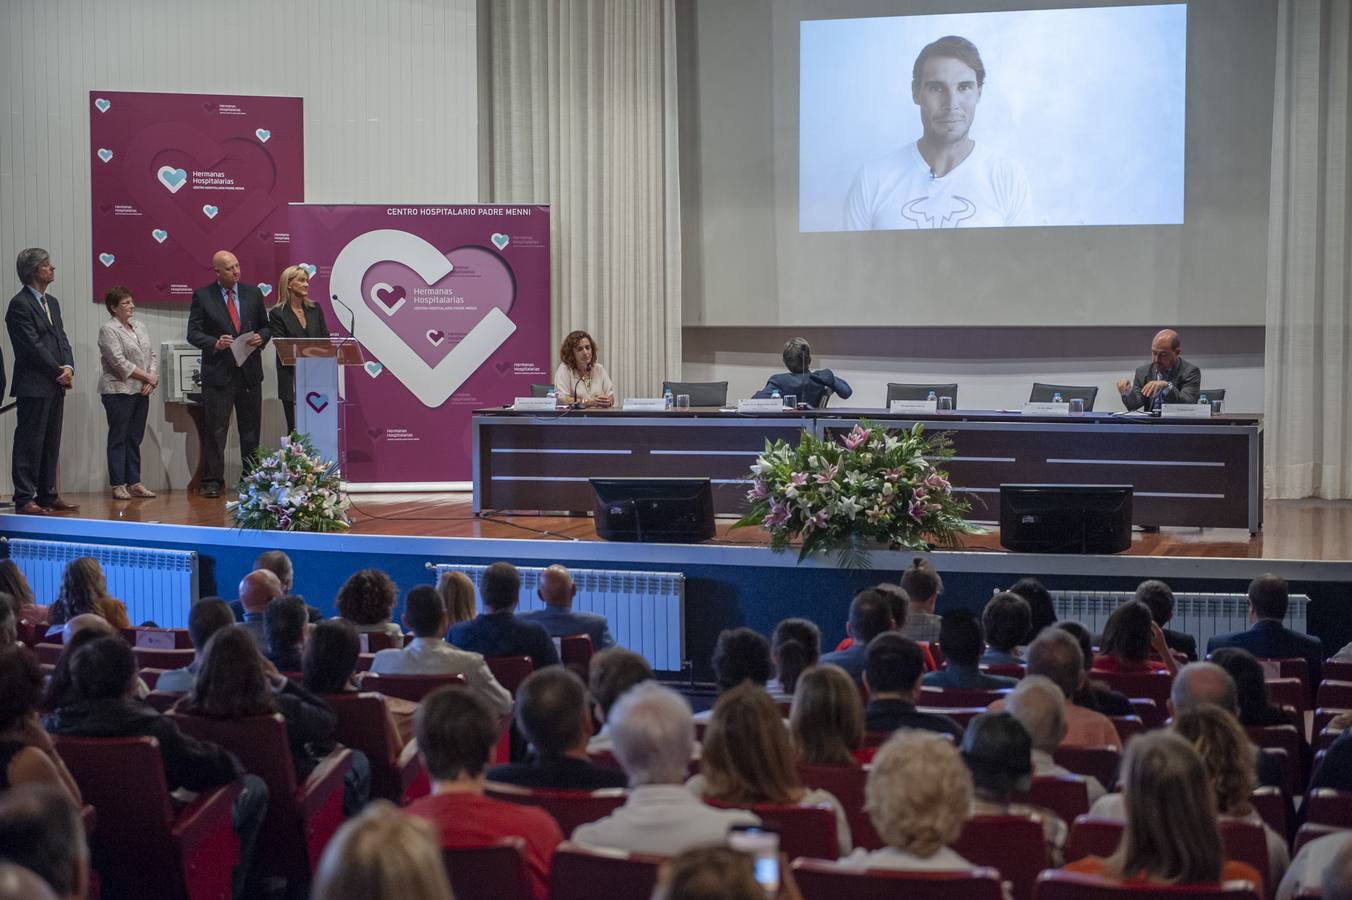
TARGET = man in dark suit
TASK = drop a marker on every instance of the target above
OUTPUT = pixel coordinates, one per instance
(1269, 638)
(1160, 598)
(44, 370)
(895, 667)
(499, 632)
(1167, 378)
(221, 312)
(812, 388)
(870, 616)
(557, 591)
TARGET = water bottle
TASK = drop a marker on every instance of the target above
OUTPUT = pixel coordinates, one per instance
(932, 398)
(553, 394)
(668, 401)
(775, 395)
(1203, 401)
(1056, 398)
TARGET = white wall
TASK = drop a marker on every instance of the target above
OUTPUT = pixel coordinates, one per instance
(391, 114)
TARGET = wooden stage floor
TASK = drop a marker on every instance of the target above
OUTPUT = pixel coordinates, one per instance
(1315, 530)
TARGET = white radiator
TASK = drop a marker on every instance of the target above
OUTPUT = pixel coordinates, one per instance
(646, 610)
(1201, 615)
(158, 586)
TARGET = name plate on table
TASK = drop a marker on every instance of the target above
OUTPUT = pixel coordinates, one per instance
(768, 404)
(1186, 410)
(1046, 409)
(913, 406)
(646, 404)
(535, 404)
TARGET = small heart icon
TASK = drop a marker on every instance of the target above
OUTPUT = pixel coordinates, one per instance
(309, 268)
(502, 367)
(317, 401)
(373, 433)
(265, 236)
(210, 211)
(209, 107)
(263, 134)
(435, 337)
(172, 178)
(105, 208)
(102, 105)
(107, 259)
(390, 297)
(105, 154)
(372, 367)
(500, 240)
(160, 235)
(265, 288)
(161, 288)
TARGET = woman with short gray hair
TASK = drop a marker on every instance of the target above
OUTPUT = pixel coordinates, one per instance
(130, 374)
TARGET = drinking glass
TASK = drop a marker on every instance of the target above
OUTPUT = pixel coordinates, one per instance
(790, 401)
(1076, 406)
(1217, 406)
(945, 404)
(682, 401)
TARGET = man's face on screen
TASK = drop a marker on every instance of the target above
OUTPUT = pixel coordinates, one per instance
(947, 96)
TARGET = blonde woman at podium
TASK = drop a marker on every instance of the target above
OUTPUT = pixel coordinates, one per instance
(294, 315)
(580, 379)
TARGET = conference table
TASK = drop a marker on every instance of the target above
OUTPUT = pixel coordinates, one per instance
(1196, 472)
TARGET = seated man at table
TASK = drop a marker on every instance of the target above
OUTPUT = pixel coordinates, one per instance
(1167, 378)
(1268, 638)
(811, 388)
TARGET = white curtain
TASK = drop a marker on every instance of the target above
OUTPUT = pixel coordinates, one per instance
(1308, 366)
(578, 110)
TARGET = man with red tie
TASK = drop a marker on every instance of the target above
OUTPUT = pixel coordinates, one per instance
(222, 312)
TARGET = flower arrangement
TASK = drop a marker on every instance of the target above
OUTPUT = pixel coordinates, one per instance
(291, 489)
(871, 485)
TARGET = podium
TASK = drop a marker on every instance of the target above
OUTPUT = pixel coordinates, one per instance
(317, 361)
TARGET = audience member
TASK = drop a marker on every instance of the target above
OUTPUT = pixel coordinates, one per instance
(552, 714)
(41, 831)
(367, 600)
(284, 624)
(207, 616)
(256, 590)
(456, 736)
(18, 883)
(1056, 654)
(1256, 709)
(827, 717)
(382, 854)
(1094, 694)
(457, 592)
(1332, 852)
(1205, 682)
(795, 645)
(1006, 619)
(427, 654)
(961, 640)
(1160, 599)
(1041, 609)
(654, 736)
(613, 673)
(1128, 638)
(1170, 834)
(26, 752)
(84, 590)
(279, 564)
(740, 654)
(557, 591)
(923, 586)
(1337, 880)
(328, 667)
(748, 759)
(1041, 708)
(870, 616)
(918, 795)
(15, 583)
(9, 621)
(1335, 772)
(999, 753)
(79, 631)
(1268, 638)
(497, 631)
(895, 665)
(716, 873)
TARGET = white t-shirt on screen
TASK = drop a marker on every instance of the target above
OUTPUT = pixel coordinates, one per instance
(898, 191)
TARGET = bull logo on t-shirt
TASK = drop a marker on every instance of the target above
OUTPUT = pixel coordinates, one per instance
(943, 212)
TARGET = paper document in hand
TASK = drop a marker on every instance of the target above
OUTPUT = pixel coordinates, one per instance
(241, 349)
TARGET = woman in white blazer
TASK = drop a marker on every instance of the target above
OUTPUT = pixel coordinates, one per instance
(130, 373)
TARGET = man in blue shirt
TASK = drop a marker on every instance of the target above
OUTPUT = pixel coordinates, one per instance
(557, 591)
(1269, 638)
(499, 632)
(870, 616)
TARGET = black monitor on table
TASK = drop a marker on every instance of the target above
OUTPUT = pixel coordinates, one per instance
(654, 510)
(1065, 518)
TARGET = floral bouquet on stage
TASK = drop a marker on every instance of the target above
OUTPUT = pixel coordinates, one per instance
(292, 489)
(871, 486)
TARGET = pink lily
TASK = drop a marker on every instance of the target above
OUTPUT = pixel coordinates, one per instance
(856, 438)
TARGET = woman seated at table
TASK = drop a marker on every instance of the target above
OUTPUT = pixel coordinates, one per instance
(811, 388)
(580, 378)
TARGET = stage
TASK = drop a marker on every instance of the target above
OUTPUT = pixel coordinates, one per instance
(734, 579)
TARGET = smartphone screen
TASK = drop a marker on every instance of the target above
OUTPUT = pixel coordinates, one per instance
(763, 845)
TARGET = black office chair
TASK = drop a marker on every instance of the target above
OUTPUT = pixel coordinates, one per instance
(541, 390)
(1042, 393)
(1212, 394)
(702, 393)
(920, 392)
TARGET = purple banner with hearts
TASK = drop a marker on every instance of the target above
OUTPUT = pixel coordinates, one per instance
(451, 307)
(176, 177)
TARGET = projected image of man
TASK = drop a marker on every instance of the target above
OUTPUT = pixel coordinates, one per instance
(1167, 378)
(945, 179)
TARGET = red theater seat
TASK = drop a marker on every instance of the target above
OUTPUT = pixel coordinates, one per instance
(805, 829)
(497, 872)
(1065, 795)
(1325, 806)
(1013, 845)
(569, 808)
(362, 726)
(576, 873)
(959, 697)
(575, 652)
(1127, 727)
(846, 784)
(1334, 694)
(1100, 762)
(375, 641)
(408, 687)
(1057, 885)
(1151, 685)
(1242, 841)
(824, 880)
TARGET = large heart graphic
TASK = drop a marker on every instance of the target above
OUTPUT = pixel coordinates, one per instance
(263, 134)
(317, 401)
(102, 105)
(107, 259)
(105, 154)
(264, 288)
(172, 178)
(159, 234)
(475, 329)
(435, 337)
(372, 367)
(389, 299)
(209, 210)
(500, 240)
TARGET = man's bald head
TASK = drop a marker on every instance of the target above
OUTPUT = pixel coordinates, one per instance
(1203, 682)
(1164, 349)
(556, 586)
(227, 268)
(84, 622)
(259, 588)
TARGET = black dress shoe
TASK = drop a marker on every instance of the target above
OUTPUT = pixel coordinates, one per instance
(211, 492)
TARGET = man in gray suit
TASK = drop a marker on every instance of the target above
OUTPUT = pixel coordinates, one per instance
(1168, 378)
(557, 591)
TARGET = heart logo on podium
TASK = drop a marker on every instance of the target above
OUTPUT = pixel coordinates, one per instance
(317, 401)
